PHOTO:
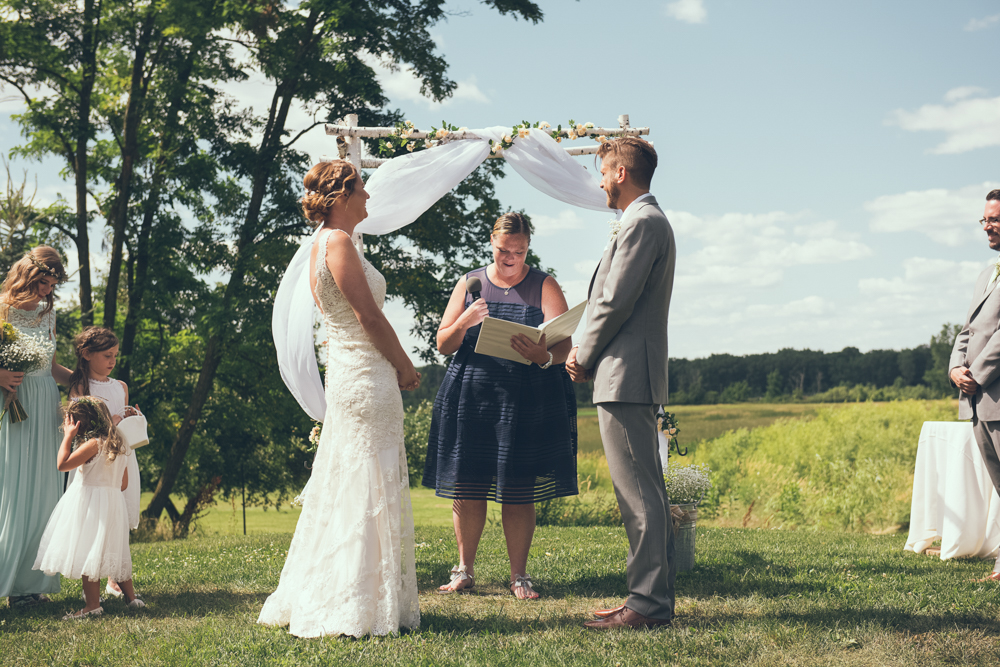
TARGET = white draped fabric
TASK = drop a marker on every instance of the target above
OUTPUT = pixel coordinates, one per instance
(953, 496)
(401, 190)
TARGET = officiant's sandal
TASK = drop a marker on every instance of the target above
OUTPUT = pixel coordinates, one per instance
(523, 582)
(460, 575)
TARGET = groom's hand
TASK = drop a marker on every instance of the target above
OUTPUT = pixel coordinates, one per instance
(962, 377)
(577, 373)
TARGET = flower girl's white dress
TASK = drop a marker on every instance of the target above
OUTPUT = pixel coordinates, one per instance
(350, 567)
(113, 394)
(87, 533)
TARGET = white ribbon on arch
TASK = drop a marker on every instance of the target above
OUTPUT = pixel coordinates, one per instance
(401, 190)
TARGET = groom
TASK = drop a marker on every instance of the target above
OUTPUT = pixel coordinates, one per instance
(975, 359)
(624, 350)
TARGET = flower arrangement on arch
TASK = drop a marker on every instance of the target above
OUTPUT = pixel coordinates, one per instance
(402, 137)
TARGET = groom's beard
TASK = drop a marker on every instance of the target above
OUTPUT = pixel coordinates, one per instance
(613, 192)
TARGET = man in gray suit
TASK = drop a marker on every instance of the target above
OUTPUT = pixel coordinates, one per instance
(975, 360)
(624, 350)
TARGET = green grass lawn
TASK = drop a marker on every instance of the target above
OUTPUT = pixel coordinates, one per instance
(226, 519)
(755, 597)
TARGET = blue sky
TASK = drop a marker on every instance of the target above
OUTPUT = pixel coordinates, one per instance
(823, 164)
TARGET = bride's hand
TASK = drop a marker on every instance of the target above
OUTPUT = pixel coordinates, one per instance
(409, 379)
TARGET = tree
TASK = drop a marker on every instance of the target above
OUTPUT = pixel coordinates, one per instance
(936, 377)
(53, 48)
(313, 56)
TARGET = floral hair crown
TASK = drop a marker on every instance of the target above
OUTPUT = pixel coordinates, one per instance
(99, 427)
(44, 268)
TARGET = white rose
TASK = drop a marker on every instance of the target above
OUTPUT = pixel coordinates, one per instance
(441, 134)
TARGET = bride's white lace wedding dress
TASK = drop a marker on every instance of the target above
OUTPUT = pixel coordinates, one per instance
(350, 568)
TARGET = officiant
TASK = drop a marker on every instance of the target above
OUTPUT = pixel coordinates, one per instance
(502, 431)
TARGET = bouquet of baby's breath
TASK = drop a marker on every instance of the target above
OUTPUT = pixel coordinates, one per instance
(21, 354)
(687, 484)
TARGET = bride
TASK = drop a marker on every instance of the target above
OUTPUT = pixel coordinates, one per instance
(350, 567)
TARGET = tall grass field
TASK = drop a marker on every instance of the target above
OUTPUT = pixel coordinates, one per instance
(809, 581)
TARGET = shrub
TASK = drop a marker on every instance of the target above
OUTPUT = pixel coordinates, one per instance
(590, 508)
(416, 429)
(849, 468)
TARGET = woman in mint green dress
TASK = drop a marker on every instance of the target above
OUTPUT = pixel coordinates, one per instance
(30, 484)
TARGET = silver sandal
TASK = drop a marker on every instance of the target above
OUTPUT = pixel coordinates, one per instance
(459, 574)
(523, 581)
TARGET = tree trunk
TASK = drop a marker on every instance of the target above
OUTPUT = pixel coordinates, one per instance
(137, 291)
(269, 152)
(90, 39)
(130, 142)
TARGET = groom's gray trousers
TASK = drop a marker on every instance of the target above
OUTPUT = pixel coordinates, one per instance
(632, 449)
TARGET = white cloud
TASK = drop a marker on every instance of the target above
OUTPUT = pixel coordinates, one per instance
(748, 250)
(945, 216)
(981, 24)
(547, 225)
(968, 119)
(403, 86)
(962, 92)
(929, 293)
(688, 11)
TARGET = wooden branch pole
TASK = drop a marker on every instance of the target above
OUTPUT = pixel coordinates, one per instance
(354, 150)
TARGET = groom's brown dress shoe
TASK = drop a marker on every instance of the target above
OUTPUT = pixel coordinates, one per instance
(604, 613)
(626, 618)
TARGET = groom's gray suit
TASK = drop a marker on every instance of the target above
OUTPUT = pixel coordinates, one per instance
(977, 347)
(625, 344)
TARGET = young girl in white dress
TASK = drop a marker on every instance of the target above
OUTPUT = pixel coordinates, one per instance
(87, 535)
(96, 354)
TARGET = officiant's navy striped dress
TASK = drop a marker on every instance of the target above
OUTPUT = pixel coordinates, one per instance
(502, 430)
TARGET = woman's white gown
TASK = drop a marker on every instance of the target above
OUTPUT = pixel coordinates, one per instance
(350, 568)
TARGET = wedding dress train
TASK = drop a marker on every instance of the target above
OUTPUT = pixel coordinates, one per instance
(350, 568)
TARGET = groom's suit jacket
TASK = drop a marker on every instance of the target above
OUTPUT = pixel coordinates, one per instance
(625, 341)
(977, 347)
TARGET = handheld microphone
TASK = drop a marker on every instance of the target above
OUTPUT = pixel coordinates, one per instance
(473, 286)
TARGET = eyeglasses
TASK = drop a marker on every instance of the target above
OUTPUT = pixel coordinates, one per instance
(994, 222)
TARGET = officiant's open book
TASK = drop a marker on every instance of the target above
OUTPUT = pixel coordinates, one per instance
(494, 337)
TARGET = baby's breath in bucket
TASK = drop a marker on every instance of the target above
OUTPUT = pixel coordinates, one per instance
(687, 484)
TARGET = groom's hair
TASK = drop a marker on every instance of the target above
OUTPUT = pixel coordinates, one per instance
(994, 194)
(635, 154)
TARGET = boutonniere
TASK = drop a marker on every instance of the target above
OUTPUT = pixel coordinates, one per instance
(615, 226)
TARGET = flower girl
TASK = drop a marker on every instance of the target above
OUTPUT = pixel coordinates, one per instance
(87, 534)
(96, 354)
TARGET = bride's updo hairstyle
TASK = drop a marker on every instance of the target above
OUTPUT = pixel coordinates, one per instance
(325, 184)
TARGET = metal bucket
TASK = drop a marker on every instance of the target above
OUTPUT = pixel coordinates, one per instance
(684, 537)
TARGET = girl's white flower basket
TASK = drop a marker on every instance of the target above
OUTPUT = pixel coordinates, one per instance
(133, 430)
(686, 487)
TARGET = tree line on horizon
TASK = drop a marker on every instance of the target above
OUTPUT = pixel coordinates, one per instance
(790, 375)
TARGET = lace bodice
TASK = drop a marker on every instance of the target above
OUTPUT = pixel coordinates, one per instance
(41, 327)
(338, 316)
